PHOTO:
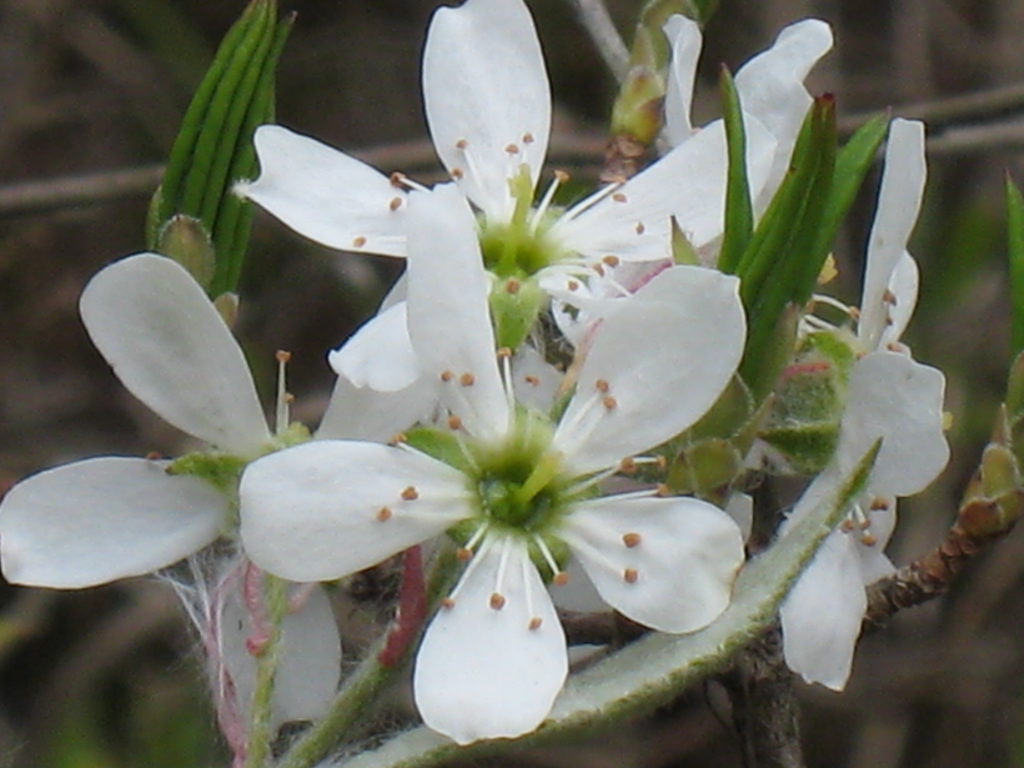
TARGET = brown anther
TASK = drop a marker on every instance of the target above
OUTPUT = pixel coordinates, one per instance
(560, 579)
(662, 489)
(528, 138)
(609, 402)
(283, 356)
(454, 422)
(398, 438)
(533, 381)
(889, 320)
(847, 525)
(611, 260)
(400, 180)
(889, 297)
(573, 285)
(464, 554)
(854, 313)
(631, 539)
(154, 456)
(512, 149)
(602, 385)
(447, 602)
(467, 379)
(630, 575)
(395, 204)
(640, 228)
(535, 622)
(289, 397)
(599, 268)
(504, 352)
(457, 173)
(868, 540)
(893, 346)
(618, 197)
(384, 514)
(461, 144)
(562, 177)
(878, 504)
(447, 375)
(409, 493)
(512, 286)
(359, 242)
(661, 463)
(497, 601)
(627, 466)
(864, 524)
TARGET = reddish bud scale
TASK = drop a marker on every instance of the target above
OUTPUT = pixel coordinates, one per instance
(412, 610)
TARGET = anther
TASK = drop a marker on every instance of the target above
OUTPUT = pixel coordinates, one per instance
(535, 622)
(609, 402)
(283, 356)
(611, 260)
(461, 144)
(627, 466)
(399, 179)
(661, 463)
(154, 456)
(454, 422)
(602, 385)
(879, 504)
(889, 297)
(447, 376)
(847, 525)
(395, 203)
(533, 381)
(458, 173)
(497, 601)
(573, 285)
(619, 197)
(640, 228)
(409, 493)
(662, 490)
(889, 320)
(384, 514)
(464, 554)
(528, 138)
(467, 379)
(598, 268)
(631, 540)
(359, 242)
(630, 575)
(560, 579)
(512, 149)
(868, 540)
(512, 286)
(562, 177)
(399, 438)
(854, 313)
(447, 603)
(504, 353)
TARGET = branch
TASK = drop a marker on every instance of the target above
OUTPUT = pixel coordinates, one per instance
(598, 22)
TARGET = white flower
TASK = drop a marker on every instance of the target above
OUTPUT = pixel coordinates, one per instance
(890, 396)
(520, 498)
(488, 108)
(106, 518)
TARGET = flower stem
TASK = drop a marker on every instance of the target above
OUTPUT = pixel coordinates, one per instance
(361, 688)
(260, 720)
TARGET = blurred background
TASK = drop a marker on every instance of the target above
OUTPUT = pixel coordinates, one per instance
(91, 94)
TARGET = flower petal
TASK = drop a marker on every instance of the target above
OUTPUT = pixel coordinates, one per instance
(169, 346)
(487, 98)
(771, 89)
(310, 663)
(822, 614)
(676, 574)
(536, 381)
(684, 35)
(894, 398)
(362, 413)
(379, 355)
(903, 285)
(633, 396)
(314, 512)
(326, 195)
(449, 315)
(481, 672)
(102, 519)
(899, 202)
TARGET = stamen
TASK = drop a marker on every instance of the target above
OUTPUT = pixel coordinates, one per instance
(611, 260)
(545, 202)
(399, 439)
(458, 173)
(618, 197)
(467, 379)
(630, 575)
(559, 576)
(384, 514)
(447, 603)
(628, 466)
(535, 622)
(592, 200)
(640, 228)
(533, 381)
(478, 534)
(528, 138)
(282, 415)
(512, 286)
(497, 601)
(395, 204)
(560, 579)
(662, 489)
(602, 385)
(573, 285)
(868, 540)
(525, 566)
(409, 493)
(512, 149)
(447, 376)
(631, 540)
(879, 504)
(154, 456)
(598, 268)
(401, 181)
(889, 297)
(609, 402)
(358, 242)
(454, 422)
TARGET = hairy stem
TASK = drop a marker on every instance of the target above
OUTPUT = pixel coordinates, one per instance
(269, 650)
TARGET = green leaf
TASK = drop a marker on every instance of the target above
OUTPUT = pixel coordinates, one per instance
(1015, 243)
(739, 211)
(653, 670)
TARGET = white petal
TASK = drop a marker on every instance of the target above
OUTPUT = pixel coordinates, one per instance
(311, 513)
(326, 195)
(361, 413)
(899, 202)
(169, 346)
(483, 673)
(484, 84)
(822, 614)
(102, 519)
(310, 663)
(535, 381)
(379, 355)
(664, 356)
(771, 88)
(903, 285)
(449, 315)
(687, 557)
(684, 35)
(892, 397)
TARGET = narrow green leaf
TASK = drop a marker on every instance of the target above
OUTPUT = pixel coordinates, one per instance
(1015, 243)
(739, 211)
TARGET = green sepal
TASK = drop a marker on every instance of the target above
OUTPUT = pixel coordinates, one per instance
(221, 469)
(185, 239)
(515, 305)
(295, 433)
(683, 251)
(706, 469)
(637, 111)
(443, 446)
(729, 414)
(739, 210)
(1015, 246)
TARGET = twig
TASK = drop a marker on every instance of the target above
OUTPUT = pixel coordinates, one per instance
(598, 22)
